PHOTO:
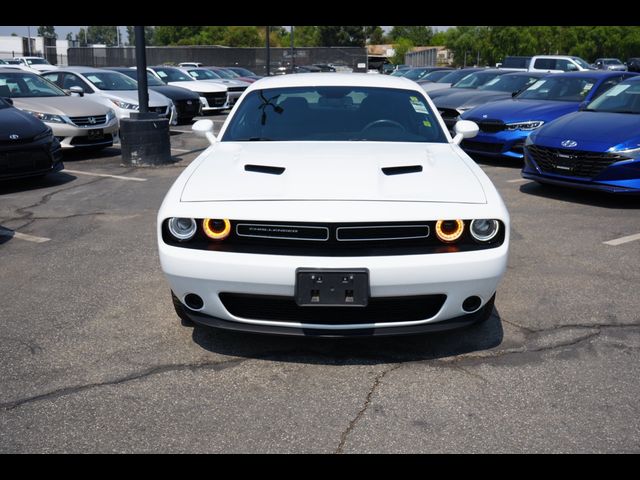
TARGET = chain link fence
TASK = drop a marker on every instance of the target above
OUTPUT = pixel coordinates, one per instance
(352, 58)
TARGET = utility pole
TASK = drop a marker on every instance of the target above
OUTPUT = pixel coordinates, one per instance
(29, 41)
(117, 36)
(293, 55)
(268, 59)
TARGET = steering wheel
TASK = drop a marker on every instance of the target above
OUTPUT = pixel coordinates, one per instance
(382, 121)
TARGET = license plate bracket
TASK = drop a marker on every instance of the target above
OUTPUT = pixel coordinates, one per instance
(96, 133)
(332, 287)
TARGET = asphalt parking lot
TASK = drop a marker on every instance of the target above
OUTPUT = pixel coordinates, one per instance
(94, 358)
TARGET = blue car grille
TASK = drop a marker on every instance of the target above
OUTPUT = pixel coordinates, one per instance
(574, 163)
(490, 126)
(482, 147)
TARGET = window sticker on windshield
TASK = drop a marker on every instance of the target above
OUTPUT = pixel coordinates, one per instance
(587, 87)
(161, 74)
(617, 90)
(426, 123)
(93, 79)
(418, 106)
(537, 85)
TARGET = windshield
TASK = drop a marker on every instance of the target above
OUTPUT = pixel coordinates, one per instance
(509, 83)
(400, 73)
(416, 73)
(435, 76)
(24, 85)
(225, 74)
(203, 74)
(334, 114)
(623, 98)
(111, 81)
(37, 61)
(611, 61)
(172, 75)
(243, 71)
(565, 89)
(476, 79)
(581, 62)
(455, 76)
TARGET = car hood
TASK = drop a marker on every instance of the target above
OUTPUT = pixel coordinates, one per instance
(67, 105)
(333, 171)
(514, 110)
(594, 131)
(200, 86)
(175, 93)
(131, 96)
(44, 68)
(17, 122)
(226, 82)
(469, 98)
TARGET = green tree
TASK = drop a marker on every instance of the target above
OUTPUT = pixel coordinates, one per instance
(239, 36)
(376, 36)
(418, 35)
(401, 47)
(47, 32)
(69, 37)
(99, 34)
(149, 33)
(341, 36)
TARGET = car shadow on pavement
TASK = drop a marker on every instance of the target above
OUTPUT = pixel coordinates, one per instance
(353, 351)
(584, 197)
(89, 154)
(25, 184)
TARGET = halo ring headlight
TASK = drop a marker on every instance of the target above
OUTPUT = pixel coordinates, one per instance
(216, 228)
(449, 231)
(182, 229)
(483, 229)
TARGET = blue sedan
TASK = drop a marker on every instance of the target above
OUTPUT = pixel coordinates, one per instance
(597, 148)
(505, 125)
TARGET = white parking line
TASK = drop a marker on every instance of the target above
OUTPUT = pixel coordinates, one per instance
(5, 232)
(119, 177)
(181, 150)
(621, 240)
(518, 180)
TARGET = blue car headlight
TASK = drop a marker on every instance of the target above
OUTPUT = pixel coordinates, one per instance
(629, 152)
(525, 126)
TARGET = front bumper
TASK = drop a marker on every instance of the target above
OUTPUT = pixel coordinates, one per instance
(457, 275)
(503, 144)
(72, 136)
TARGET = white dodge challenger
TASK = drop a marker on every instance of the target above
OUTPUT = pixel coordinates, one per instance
(332, 205)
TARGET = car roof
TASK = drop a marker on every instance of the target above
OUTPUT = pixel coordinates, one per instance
(78, 70)
(335, 79)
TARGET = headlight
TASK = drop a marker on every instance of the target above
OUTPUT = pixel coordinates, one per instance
(216, 229)
(629, 152)
(449, 231)
(531, 125)
(484, 230)
(111, 114)
(182, 229)
(47, 117)
(125, 105)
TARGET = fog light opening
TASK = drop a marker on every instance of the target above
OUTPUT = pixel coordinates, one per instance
(193, 301)
(471, 304)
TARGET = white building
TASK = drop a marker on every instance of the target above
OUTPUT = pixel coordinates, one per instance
(18, 46)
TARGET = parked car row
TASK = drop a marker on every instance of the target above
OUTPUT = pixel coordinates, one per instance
(81, 107)
(579, 128)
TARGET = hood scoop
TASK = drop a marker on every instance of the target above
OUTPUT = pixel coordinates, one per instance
(402, 170)
(264, 169)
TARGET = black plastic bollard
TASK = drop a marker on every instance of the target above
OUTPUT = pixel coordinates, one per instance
(145, 141)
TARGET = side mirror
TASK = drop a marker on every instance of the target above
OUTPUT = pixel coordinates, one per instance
(8, 100)
(464, 129)
(78, 90)
(204, 128)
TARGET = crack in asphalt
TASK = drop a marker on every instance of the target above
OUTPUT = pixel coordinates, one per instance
(158, 369)
(367, 402)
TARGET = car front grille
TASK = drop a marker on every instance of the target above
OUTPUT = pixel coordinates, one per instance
(83, 141)
(379, 309)
(490, 126)
(216, 99)
(162, 111)
(184, 108)
(236, 89)
(17, 162)
(89, 121)
(482, 147)
(575, 163)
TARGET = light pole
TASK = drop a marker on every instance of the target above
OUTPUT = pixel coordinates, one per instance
(293, 57)
(29, 41)
(268, 53)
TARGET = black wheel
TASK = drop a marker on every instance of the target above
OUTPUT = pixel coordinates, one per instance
(179, 308)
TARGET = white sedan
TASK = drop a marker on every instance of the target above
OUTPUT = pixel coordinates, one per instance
(333, 205)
